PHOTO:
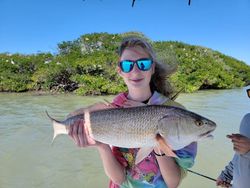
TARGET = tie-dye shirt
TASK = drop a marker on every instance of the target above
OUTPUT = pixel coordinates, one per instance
(147, 173)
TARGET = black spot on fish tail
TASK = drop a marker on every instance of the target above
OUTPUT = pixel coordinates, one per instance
(51, 118)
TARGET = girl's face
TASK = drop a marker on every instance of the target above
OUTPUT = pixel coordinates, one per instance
(136, 78)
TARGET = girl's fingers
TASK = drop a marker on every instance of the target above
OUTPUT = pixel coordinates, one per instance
(85, 137)
(75, 133)
(80, 134)
(89, 140)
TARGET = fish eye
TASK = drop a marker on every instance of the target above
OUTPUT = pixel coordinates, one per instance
(199, 123)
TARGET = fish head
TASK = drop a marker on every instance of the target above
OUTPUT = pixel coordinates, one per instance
(181, 127)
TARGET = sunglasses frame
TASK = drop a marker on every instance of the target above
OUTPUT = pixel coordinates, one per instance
(136, 62)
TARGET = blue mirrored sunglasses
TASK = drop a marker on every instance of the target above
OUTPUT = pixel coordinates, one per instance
(143, 64)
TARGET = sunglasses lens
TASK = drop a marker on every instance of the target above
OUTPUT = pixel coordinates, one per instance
(126, 66)
(144, 64)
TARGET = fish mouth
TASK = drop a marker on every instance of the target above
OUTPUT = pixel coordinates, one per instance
(206, 134)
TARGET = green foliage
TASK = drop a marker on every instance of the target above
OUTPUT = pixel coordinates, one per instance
(87, 66)
(17, 83)
(15, 72)
(96, 85)
(203, 68)
(99, 42)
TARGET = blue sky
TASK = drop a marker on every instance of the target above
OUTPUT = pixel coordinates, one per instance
(31, 26)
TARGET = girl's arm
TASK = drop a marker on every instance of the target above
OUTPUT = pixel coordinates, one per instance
(176, 169)
(112, 167)
(170, 170)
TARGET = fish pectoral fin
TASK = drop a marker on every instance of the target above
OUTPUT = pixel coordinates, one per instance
(164, 146)
(142, 154)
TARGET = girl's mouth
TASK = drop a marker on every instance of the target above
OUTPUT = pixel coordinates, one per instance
(136, 80)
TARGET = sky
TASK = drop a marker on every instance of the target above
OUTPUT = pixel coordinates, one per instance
(32, 26)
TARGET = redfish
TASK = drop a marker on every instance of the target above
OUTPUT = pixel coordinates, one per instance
(169, 128)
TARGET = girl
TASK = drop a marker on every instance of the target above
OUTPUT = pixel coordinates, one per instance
(145, 78)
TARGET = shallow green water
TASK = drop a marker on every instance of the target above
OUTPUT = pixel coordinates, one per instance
(28, 160)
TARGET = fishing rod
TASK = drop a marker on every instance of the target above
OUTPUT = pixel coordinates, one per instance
(204, 176)
(201, 175)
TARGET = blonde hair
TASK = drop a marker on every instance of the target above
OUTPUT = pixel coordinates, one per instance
(159, 80)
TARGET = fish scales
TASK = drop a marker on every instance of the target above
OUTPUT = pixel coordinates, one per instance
(126, 127)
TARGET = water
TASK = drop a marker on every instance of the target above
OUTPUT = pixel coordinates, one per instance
(28, 160)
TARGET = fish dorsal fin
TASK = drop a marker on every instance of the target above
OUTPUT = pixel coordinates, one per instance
(142, 154)
(99, 106)
(164, 146)
(109, 104)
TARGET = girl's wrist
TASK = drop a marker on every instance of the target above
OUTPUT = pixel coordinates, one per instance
(159, 153)
(102, 146)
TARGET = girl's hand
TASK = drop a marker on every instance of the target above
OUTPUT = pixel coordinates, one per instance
(220, 182)
(79, 134)
(241, 144)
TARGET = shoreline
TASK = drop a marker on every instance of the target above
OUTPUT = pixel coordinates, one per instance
(45, 93)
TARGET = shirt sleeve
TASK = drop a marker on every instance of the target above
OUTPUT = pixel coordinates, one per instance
(186, 155)
(227, 173)
(119, 157)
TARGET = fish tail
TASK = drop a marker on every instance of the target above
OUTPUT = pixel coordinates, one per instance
(51, 118)
(52, 142)
(58, 127)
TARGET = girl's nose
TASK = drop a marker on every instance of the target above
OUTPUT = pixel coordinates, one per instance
(135, 69)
